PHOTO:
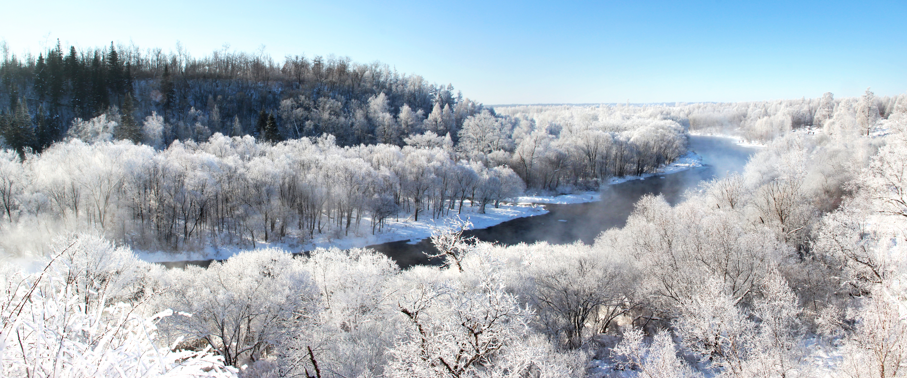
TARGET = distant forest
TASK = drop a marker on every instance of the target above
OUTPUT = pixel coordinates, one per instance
(232, 93)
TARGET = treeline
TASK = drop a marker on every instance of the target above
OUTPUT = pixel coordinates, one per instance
(762, 121)
(236, 191)
(554, 147)
(224, 92)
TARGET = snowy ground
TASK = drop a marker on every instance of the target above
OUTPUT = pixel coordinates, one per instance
(407, 229)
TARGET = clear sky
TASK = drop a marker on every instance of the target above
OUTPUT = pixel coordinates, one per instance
(505, 52)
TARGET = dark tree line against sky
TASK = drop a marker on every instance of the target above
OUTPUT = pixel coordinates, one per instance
(223, 92)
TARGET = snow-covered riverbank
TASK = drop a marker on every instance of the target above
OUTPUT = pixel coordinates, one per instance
(395, 230)
(400, 229)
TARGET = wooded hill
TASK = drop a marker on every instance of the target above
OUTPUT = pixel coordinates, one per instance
(227, 92)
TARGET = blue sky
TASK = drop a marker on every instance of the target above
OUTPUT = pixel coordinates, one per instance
(529, 51)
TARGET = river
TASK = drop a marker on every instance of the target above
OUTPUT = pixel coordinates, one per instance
(568, 223)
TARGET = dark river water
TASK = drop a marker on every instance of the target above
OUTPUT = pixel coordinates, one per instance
(565, 224)
(568, 223)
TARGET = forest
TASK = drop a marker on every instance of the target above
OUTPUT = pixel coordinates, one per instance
(792, 267)
(157, 175)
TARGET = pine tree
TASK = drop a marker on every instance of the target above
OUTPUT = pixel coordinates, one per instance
(127, 78)
(128, 129)
(115, 82)
(4, 125)
(867, 113)
(271, 132)
(75, 73)
(167, 88)
(19, 132)
(99, 95)
(13, 98)
(44, 130)
(41, 78)
(237, 128)
(261, 124)
(55, 75)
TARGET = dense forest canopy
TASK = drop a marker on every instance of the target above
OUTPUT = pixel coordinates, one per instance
(224, 92)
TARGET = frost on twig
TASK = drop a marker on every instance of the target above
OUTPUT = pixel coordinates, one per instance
(450, 243)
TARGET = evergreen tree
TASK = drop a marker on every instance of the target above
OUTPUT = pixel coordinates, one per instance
(167, 88)
(127, 78)
(99, 96)
(115, 81)
(19, 132)
(45, 132)
(55, 83)
(41, 78)
(13, 98)
(128, 128)
(271, 132)
(4, 125)
(237, 128)
(261, 124)
(6, 76)
(74, 68)
(72, 64)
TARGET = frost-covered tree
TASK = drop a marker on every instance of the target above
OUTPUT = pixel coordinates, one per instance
(575, 289)
(409, 121)
(482, 134)
(430, 140)
(867, 113)
(455, 332)
(386, 128)
(356, 290)
(878, 347)
(98, 129)
(243, 306)
(825, 110)
(61, 322)
(153, 131)
(656, 360)
(13, 181)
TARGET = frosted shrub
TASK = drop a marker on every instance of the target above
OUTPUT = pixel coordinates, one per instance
(48, 330)
(657, 360)
(98, 129)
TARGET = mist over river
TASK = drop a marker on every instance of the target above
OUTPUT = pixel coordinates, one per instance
(568, 223)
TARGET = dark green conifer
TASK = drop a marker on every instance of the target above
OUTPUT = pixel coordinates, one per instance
(44, 130)
(167, 88)
(19, 131)
(115, 82)
(128, 129)
(41, 78)
(271, 132)
(261, 124)
(55, 75)
(99, 97)
(127, 78)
